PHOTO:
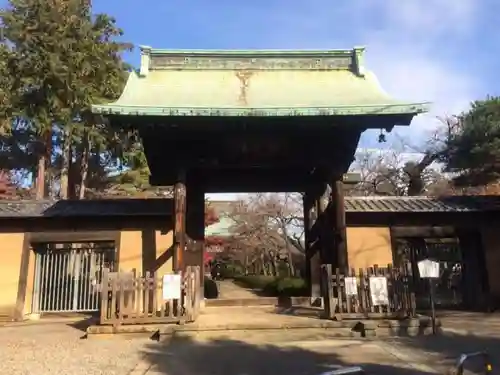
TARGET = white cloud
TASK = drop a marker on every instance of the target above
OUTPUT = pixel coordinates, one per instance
(410, 47)
(410, 52)
(416, 48)
(424, 19)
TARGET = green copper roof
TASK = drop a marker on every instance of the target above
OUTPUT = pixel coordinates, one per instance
(254, 83)
(221, 228)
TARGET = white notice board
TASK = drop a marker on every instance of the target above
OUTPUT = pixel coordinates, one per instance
(378, 291)
(351, 286)
(172, 286)
(428, 269)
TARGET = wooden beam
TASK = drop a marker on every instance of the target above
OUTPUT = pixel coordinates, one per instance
(219, 180)
(423, 231)
(70, 237)
(180, 220)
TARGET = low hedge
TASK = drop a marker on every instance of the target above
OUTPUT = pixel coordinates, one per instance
(274, 286)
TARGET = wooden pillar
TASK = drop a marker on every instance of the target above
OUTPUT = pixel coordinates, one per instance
(195, 226)
(325, 231)
(339, 222)
(180, 220)
(315, 204)
(311, 246)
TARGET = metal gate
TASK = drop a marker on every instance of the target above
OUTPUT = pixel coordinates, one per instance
(67, 276)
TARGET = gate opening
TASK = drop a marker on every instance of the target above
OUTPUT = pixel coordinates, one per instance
(67, 275)
(446, 251)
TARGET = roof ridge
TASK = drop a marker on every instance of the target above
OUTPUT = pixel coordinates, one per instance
(271, 51)
(393, 197)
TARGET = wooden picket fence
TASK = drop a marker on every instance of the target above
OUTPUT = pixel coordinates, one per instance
(129, 298)
(341, 305)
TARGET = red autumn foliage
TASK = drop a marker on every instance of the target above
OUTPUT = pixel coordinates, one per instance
(8, 190)
(214, 241)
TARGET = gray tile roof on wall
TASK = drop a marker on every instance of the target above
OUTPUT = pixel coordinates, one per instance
(75, 208)
(423, 204)
(163, 207)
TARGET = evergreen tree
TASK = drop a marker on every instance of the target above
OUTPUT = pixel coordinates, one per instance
(473, 147)
(63, 59)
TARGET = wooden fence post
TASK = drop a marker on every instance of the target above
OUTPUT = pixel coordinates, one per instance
(104, 294)
(188, 293)
(197, 292)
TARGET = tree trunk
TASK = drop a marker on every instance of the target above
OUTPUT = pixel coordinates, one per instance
(84, 164)
(416, 184)
(48, 162)
(73, 174)
(40, 177)
(263, 264)
(291, 268)
(273, 263)
(43, 177)
(66, 163)
(245, 260)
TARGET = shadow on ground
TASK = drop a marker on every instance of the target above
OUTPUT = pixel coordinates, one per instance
(466, 332)
(84, 323)
(225, 356)
(443, 350)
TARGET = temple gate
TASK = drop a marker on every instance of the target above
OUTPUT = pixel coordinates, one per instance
(256, 121)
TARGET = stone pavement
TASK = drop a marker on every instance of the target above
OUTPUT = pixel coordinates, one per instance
(311, 351)
(471, 323)
(255, 317)
(259, 353)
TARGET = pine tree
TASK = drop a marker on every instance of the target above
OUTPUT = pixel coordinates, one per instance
(473, 148)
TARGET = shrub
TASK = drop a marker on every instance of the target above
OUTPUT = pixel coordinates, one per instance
(291, 287)
(230, 271)
(254, 281)
(275, 286)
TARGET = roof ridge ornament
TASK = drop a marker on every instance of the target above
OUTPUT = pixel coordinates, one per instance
(359, 60)
(145, 60)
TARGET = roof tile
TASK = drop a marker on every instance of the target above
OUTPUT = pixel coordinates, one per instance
(162, 207)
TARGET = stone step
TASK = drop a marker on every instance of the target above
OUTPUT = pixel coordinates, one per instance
(258, 301)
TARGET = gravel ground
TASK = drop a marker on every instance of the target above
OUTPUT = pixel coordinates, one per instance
(57, 349)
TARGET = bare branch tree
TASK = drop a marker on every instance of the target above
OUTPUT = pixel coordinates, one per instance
(268, 230)
(405, 169)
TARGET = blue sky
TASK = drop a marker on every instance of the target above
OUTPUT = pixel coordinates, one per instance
(444, 51)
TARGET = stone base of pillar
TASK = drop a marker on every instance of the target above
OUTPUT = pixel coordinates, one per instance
(317, 302)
